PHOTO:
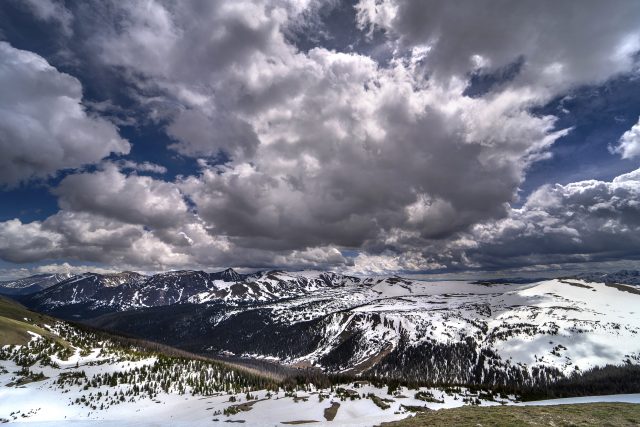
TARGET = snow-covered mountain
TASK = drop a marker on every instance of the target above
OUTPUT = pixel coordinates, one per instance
(91, 294)
(629, 277)
(446, 332)
(57, 373)
(31, 284)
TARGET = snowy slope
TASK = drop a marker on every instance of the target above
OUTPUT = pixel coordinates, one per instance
(64, 397)
(561, 326)
(31, 284)
(91, 379)
(457, 331)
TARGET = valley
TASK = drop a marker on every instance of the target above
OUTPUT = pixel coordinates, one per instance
(493, 334)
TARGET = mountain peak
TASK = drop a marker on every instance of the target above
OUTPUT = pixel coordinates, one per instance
(230, 275)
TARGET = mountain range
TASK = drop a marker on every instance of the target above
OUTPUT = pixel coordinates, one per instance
(276, 347)
(31, 284)
(488, 333)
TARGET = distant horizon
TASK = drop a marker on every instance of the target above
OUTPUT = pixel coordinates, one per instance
(458, 276)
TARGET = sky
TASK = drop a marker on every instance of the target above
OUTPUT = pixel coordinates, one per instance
(365, 136)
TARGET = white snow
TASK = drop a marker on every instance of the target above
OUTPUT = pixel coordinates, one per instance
(48, 406)
(551, 323)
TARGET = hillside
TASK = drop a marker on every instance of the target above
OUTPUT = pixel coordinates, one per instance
(61, 358)
(18, 325)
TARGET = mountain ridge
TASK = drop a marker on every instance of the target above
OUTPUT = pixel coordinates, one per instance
(31, 284)
(493, 333)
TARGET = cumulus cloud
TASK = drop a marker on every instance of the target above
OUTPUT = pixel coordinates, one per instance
(349, 157)
(189, 50)
(326, 151)
(85, 237)
(629, 144)
(82, 236)
(560, 43)
(43, 125)
(389, 263)
(128, 198)
(329, 148)
(558, 226)
(67, 268)
(27, 242)
(579, 222)
(141, 167)
(199, 134)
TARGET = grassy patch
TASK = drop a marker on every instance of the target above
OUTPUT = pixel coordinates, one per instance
(588, 414)
(17, 332)
(14, 329)
(16, 311)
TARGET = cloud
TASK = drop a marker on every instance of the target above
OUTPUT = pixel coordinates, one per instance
(215, 36)
(390, 263)
(629, 144)
(141, 167)
(562, 44)
(27, 242)
(71, 269)
(579, 222)
(327, 148)
(199, 134)
(357, 146)
(558, 227)
(325, 151)
(43, 125)
(52, 11)
(190, 50)
(85, 237)
(128, 198)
